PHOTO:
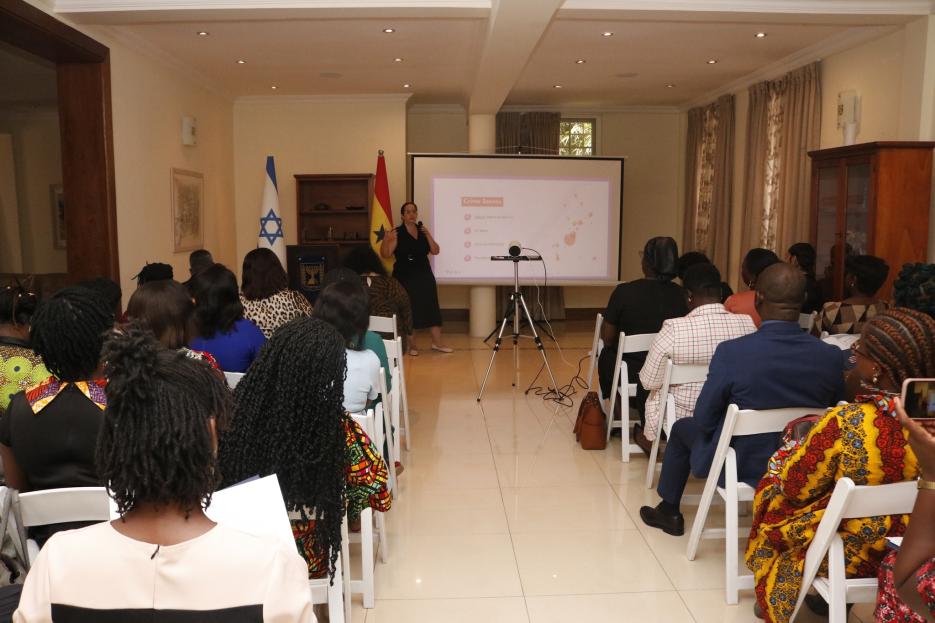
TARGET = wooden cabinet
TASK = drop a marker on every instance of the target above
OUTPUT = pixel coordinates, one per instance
(871, 199)
(334, 210)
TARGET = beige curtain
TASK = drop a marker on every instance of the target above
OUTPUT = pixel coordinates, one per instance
(692, 169)
(783, 125)
(507, 132)
(539, 133)
(717, 231)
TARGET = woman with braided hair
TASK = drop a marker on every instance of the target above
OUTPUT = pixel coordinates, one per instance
(862, 440)
(915, 288)
(20, 366)
(158, 453)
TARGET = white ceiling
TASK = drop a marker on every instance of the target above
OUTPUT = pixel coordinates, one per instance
(465, 52)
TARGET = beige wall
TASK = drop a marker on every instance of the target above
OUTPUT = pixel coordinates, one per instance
(11, 258)
(311, 135)
(38, 165)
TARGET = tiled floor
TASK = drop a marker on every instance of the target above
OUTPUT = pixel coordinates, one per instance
(504, 519)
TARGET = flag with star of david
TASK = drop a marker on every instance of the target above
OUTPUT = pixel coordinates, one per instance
(271, 234)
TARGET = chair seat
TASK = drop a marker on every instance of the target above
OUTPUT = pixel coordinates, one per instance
(858, 590)
(744, 492)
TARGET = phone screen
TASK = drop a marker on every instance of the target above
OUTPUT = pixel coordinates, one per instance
(919, 398)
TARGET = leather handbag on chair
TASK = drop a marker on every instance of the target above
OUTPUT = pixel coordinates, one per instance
(591, 425)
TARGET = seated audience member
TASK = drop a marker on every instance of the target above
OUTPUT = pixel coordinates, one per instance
(802, 254)
(156, 271)
(907, 577)
(343, 305)
(755, 262)
(265, 294)
(862, 440)
(157, 452)
(638, 307)
(20, 366)
(697, 257)
(864, 275)
(166, 309)
(49, 432)
(915, 288)
(387, 296)
(776, 366)
(289, 421)
(108, 289)
(689, 340)
(828, 279)
(222, 330)
(198, 261)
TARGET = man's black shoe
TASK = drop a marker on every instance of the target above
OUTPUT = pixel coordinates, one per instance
(655, 518)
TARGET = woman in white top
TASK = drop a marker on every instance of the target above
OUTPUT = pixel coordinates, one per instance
(344, 305)
(163, 559)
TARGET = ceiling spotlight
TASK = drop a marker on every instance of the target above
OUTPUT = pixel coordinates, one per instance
(760, 35)
(203, 33)
(397, 60)
(389, 30)
(274, 87)
(607, 33)
(407, 86)
(240, 61)
(712, 61)
(580, 61)
(670, 86)
(556, 86)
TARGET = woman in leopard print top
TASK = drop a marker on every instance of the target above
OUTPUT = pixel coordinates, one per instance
(265, 294)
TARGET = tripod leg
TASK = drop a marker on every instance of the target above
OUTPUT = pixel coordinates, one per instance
(538, 340)
(496, 348)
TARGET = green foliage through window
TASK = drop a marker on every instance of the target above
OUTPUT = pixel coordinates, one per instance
(576, 137)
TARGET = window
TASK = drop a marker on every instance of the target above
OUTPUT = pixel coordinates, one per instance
(576, 137)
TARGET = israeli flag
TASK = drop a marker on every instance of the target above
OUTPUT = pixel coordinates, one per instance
(270, 219)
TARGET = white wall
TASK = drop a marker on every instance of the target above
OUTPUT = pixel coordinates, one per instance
(11, 259)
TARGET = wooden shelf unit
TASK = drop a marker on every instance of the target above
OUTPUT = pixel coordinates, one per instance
(334, 224)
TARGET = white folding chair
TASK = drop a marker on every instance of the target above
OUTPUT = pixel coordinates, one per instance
(337, 594)
(737, 423)
(372, 423)
(53, 506)
(394, 352)
(390, 401)
(382, 324)
(844, 341)
(807, 321)
(676, 374)
(596, 346)
(233, 378)
(848, 501)
(626, 390)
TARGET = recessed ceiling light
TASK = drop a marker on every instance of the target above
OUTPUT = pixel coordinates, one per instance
(556, 86)
(240, 61)
(203, 33)
(389, 30)
(670, 86)
(274, 87)
(607, 33)
(760, 35)
(712, 61)
(580, 61)
(407, 86)
(397, 60)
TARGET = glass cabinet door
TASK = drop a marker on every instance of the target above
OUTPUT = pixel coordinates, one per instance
(828, 190)
(857, 223)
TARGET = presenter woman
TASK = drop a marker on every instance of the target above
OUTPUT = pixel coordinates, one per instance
(411, 243)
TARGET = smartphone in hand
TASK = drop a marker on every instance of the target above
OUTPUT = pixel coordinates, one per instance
(919, 398)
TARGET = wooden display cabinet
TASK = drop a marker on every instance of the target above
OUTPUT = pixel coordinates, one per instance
(325, 207)
(874, 198)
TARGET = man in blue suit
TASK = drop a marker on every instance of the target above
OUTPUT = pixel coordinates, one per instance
(777, 366)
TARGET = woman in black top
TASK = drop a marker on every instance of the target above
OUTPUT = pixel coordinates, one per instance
(802, 254)
(411, 243)
(641, 306)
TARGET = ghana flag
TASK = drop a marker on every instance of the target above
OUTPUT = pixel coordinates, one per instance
(381, 212)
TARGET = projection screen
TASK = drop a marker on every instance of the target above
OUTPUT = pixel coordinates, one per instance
(566, 208)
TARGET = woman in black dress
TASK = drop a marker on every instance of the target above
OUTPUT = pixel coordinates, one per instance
(411, 243)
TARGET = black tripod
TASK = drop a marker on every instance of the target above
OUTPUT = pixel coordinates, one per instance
(516, 302)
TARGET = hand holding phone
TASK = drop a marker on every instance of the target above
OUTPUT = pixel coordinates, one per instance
(918, 398)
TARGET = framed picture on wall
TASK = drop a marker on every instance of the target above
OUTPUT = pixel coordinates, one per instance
(57, 200)
(188, 205)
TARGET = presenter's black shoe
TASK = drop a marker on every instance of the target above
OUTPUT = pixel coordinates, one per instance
(656, 518)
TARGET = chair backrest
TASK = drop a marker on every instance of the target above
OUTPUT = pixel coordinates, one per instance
(394, 351)
(681, 373)
(382, 324)
(843, 341)
(596, 345)
(639, 343)
(233, 378)
(807, 321)
(51, 506)
(849, 501)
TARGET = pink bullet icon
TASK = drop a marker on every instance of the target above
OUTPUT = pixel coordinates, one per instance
(467, 258)
(467, 245)
(467, 230)
(467, 217)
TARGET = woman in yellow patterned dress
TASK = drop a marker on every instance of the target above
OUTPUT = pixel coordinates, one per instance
(861, 440)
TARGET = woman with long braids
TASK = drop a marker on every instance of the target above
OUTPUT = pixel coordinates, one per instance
(49, 432)
(157, 452)
(862, 440)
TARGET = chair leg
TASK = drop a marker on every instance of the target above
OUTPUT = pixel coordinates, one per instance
(704, 505)
(837, 602)
(653, 454)
(384, 542)
(345, 562)
(405, 401)
(366, 555)
(730, 546)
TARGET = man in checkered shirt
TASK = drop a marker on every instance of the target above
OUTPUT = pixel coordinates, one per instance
(689, 340)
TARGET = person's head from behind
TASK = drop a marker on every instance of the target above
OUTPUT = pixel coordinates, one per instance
(17, 308)
(702, 284)
(345, 306)
(166, 309)
(780, 292)
(108, 289)
(864, 275)
(68, 331)
(288, 421)
(915, 288)
(198, 261)
(156, 271)
(660, 258)
(802, 254)
(687, 260)
(217, 300)
(158, 442)
(754, 263)
(362, 259)
(895, 345)
(263, 275)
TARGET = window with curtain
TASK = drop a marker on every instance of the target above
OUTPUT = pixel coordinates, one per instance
(576, 137)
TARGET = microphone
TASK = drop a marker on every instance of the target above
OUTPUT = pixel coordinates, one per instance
(515, 248)
(419, 225)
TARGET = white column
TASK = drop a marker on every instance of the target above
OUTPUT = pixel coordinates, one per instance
(482, 139)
